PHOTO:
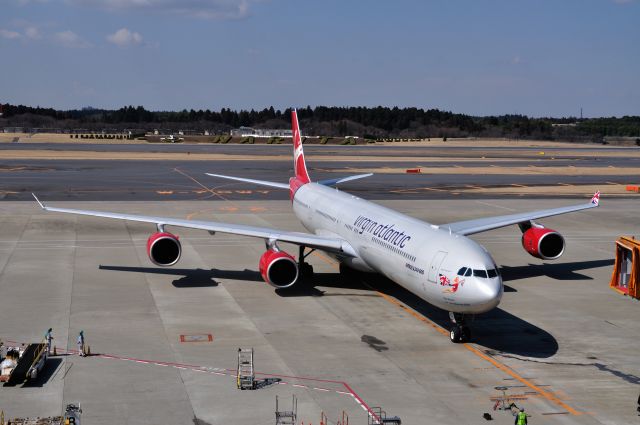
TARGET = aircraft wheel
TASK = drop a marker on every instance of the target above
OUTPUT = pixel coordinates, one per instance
(454, 334)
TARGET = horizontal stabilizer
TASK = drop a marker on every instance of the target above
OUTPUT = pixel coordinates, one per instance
(333, 182)
(259, 182)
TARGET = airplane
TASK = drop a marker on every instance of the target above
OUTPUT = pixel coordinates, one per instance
(438, 263)
(172, 139)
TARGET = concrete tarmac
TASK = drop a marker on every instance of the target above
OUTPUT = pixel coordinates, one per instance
(562, 343)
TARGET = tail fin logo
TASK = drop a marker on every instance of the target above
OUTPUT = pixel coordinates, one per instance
(596, 199)
(297, 152)
(299, 165)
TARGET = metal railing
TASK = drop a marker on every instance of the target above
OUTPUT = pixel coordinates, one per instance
(36, 359)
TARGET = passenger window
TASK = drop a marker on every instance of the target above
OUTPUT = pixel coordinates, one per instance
(468, 273)
(480, 273)
(462, 271)
(492, 273)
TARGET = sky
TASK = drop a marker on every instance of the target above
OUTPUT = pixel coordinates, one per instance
(479, 57)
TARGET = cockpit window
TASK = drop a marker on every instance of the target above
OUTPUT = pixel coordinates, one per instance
(480, 273)
(468, 273)
(492, 273)
(462, 271)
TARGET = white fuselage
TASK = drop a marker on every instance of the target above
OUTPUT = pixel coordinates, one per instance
(447, 270)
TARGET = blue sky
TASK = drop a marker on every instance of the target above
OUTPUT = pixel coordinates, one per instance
(534, 57)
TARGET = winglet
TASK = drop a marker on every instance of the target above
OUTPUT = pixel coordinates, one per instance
(38, 201)
(596, 199)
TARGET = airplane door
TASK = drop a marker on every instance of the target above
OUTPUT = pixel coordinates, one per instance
(435, 266)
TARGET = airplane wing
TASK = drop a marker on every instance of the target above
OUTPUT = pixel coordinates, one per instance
(336, 245)
(470, 227)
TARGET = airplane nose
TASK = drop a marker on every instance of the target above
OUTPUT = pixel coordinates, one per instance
(490, 291)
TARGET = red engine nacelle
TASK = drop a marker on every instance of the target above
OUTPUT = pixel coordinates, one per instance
(543, 243)
(278, 269)
(164, 249)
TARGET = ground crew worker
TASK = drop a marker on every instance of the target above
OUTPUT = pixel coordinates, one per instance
(49, 337)
(80, 343)
(521, 418)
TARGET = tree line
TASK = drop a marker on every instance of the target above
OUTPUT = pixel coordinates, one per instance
(369, 122)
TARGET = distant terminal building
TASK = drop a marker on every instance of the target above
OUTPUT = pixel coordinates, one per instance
(570, 124)
(260, 132)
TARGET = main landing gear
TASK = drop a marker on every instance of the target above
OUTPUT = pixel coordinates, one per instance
(460, 332)
(305, 270)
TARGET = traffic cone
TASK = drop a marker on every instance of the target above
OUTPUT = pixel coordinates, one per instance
(55, 352)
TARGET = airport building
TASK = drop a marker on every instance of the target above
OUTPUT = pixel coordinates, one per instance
(260, 132)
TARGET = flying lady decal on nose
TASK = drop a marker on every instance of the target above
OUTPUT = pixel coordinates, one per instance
(450, 287)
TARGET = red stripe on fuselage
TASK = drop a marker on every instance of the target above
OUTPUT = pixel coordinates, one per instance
(294, 185)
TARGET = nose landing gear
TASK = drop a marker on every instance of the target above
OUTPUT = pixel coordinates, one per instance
(460, 332)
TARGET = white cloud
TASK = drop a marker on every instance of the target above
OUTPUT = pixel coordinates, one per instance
(24, 31)
(205, 9)
(10, 35)
(124, 37)
(32, 33)
(70, 39)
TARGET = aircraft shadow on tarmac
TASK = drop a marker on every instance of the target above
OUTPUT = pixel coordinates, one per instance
(192, 278)
(327, 280)
(557, 271)
(497, 330)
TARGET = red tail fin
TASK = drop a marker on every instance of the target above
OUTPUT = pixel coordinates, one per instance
(299, 166)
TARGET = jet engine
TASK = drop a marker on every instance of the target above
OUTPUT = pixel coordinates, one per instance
(543, 243)
(164, 249)
(278, 269)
